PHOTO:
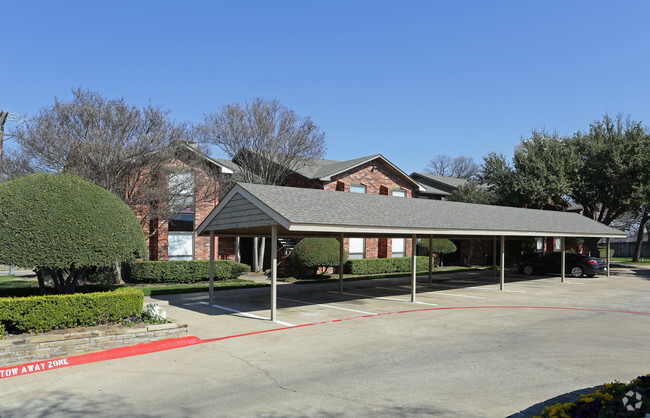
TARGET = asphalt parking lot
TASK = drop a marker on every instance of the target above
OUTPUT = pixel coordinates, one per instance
(464, 349)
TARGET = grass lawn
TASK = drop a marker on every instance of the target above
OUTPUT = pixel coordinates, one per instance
(628, 260)
(17, 282)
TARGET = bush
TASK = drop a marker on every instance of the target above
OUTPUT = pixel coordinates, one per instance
(602, 251)
(385, 265)
(311, 253)
(183, 271)
(45, 313)
(440, 246)
(612, 400)
(64, 227)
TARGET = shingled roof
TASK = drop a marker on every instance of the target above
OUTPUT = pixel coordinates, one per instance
(251, 209)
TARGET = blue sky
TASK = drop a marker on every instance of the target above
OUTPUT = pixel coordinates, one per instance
(407, 79)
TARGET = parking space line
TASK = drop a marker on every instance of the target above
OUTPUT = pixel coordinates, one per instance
(328, 306)
(380, 297)
(497, 290)
(460, 296)
(246, 314)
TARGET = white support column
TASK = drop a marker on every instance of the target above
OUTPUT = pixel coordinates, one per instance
(211, 273)
(341, 254)
(608, 255)
(563, 262)
(414, 268)
(274, 271)
(503, 263)
(494, 257)
(237, 251)
(430, 260)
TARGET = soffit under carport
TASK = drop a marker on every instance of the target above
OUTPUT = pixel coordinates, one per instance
(252, 209)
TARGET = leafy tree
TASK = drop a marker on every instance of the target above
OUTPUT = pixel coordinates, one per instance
(459, 167)
(499, 178)
(612, 173)
(64, 227)
(544, 167)
(313, 253)
(604, 170)
(473, 192)
(267, 140)
(112, 144)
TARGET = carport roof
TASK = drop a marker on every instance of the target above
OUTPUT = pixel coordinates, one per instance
(252, 209)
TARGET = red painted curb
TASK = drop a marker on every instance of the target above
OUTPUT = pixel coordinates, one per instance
(113, 353)
(152, 347)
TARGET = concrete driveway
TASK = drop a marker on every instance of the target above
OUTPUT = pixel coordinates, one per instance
(467, 349)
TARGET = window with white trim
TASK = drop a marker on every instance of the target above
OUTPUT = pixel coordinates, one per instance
(180, 237)
(180, 246)
(357, 188)
(398, 247)
(558, 244)
(399, 193)
(357, 248)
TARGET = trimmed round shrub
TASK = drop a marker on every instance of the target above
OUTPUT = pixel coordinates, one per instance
(64, 227)
(312, 253)
(440, 246)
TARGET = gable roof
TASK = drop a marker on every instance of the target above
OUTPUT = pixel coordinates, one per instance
(323, 170)
(192, 147)
(251, 210)
(440, 185)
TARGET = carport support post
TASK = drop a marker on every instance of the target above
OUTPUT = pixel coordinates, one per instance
(211, 272)
(503, 262)
(430, 260)
(274, 271)
(414, 269)
(563, 262)
(494, 257)
(341, 254)
(608, 256)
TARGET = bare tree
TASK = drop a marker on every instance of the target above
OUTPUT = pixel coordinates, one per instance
(459, 167)
(117, 146)
(266, 139)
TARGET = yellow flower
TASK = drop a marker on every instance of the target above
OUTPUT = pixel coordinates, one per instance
(586, 399)
(608, 396)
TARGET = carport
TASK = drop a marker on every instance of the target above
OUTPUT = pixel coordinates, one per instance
(253, 210)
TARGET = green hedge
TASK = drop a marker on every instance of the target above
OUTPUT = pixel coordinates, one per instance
(183, 271)
(45, 313)
(385, 265)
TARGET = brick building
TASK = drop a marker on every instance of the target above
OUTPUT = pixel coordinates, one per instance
(373, 174)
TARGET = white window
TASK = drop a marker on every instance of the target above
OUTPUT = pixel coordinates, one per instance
(558, 244)
(359, 188)
(357, 248)
(180, 246)
(399, 193)
(181, 192)
(540, 245)
(398, 247)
